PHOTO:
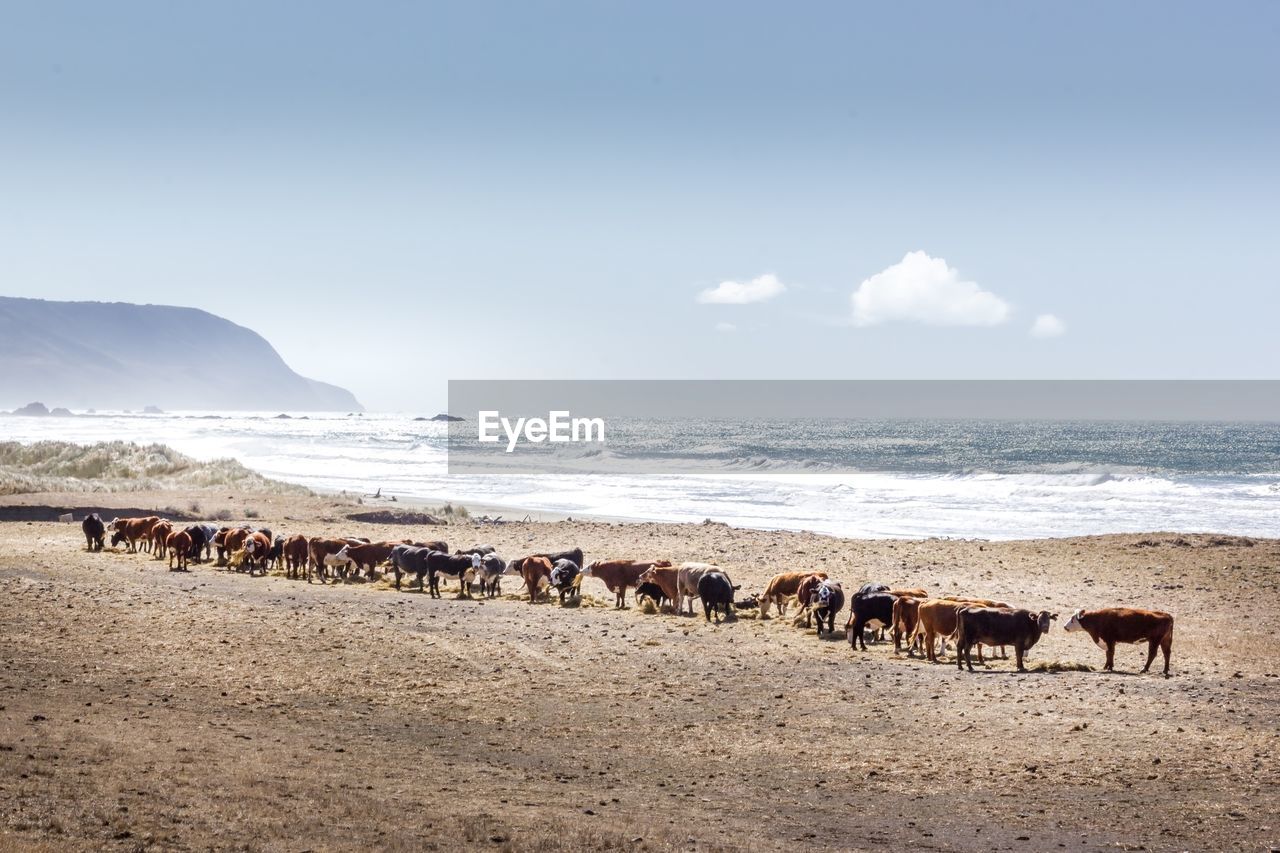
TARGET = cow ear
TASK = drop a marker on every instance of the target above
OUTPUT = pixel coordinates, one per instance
(1053, 617)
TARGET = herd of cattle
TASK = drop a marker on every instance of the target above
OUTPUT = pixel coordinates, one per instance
(920, 623)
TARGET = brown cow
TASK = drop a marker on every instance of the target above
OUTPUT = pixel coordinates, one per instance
(159, 538)
(232, 541)
(781, 587)
(178, 545)
(1111, 625)
(369, 555)
(319, 547)
(534, 570)
(257, 548)
(133, 531)
(666, 578)
(909, 593)
(937, 620)
(906, 612)
(295, 556)
(620, 574)
(804, 595)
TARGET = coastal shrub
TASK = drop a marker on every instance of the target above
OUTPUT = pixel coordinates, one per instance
(122, 466)
(251, 512)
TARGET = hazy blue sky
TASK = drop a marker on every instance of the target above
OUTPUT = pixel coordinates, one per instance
(397, 193)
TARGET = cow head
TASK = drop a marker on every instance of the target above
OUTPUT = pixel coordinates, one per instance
(587, 569)
(1043, 618)
(1073, 624)
(116, 538)
(650, 574)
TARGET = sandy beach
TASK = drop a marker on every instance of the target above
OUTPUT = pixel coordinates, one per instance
(150, 710)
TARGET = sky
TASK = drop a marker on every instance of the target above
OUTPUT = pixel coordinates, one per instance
(397, 193)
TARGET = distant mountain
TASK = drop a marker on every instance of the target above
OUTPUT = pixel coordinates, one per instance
(115, 355)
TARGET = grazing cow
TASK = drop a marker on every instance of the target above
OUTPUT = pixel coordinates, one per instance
(1111, 625)
(827, 601)
(295, 557)
(133, 531)
(369, 555)
(210, 532)
(780, 589)
(804, 595)
(665, 577)
(232, 540)
(159, 538)
(906, 612)
(179, 547)
(318, 549)
(687, 583)
(94, 531)
(257, 549)
(461, 566)
(936, 619)
(869, 588)
(276, 555)
(652, 591)
(433, 545)
(716, 591)
(410, 560)
(997, 627)
(513, 567)
(492, 568)
(534, 570)
(198, 541)
(618, 575)
(340, 562)
(565, 580)
(870, 610)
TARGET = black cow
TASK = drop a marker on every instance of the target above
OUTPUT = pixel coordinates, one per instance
(575, 556)
(199, 541)
(827, 601)
(94, 531)
(276, 554)
(994, 626)
(716, 591)
(874, 609)
(869, 588)
(653, 591)
(459, 566)
(409, 560)
(563, 575)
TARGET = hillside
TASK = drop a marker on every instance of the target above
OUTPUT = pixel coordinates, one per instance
(116, 355)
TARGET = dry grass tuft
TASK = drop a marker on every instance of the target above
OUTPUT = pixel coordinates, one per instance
(1060, 666)
(122, 466)
(648, 605)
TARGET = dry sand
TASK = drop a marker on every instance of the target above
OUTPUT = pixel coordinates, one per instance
(143, 709)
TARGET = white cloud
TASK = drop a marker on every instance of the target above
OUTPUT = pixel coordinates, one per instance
(921, 289)
(1048, 326)
(740, 293)
(726, 327)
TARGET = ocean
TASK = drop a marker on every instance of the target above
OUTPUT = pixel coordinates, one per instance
(911, 478)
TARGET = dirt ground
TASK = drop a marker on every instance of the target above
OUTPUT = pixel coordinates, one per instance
(147, 710)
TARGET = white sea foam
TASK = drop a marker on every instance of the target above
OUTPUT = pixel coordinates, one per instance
(408, 458)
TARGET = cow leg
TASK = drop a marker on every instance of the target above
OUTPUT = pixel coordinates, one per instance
(1166, 646)
(1018, 651)
(981, 660)
(1152, 645)
(1111, 656)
